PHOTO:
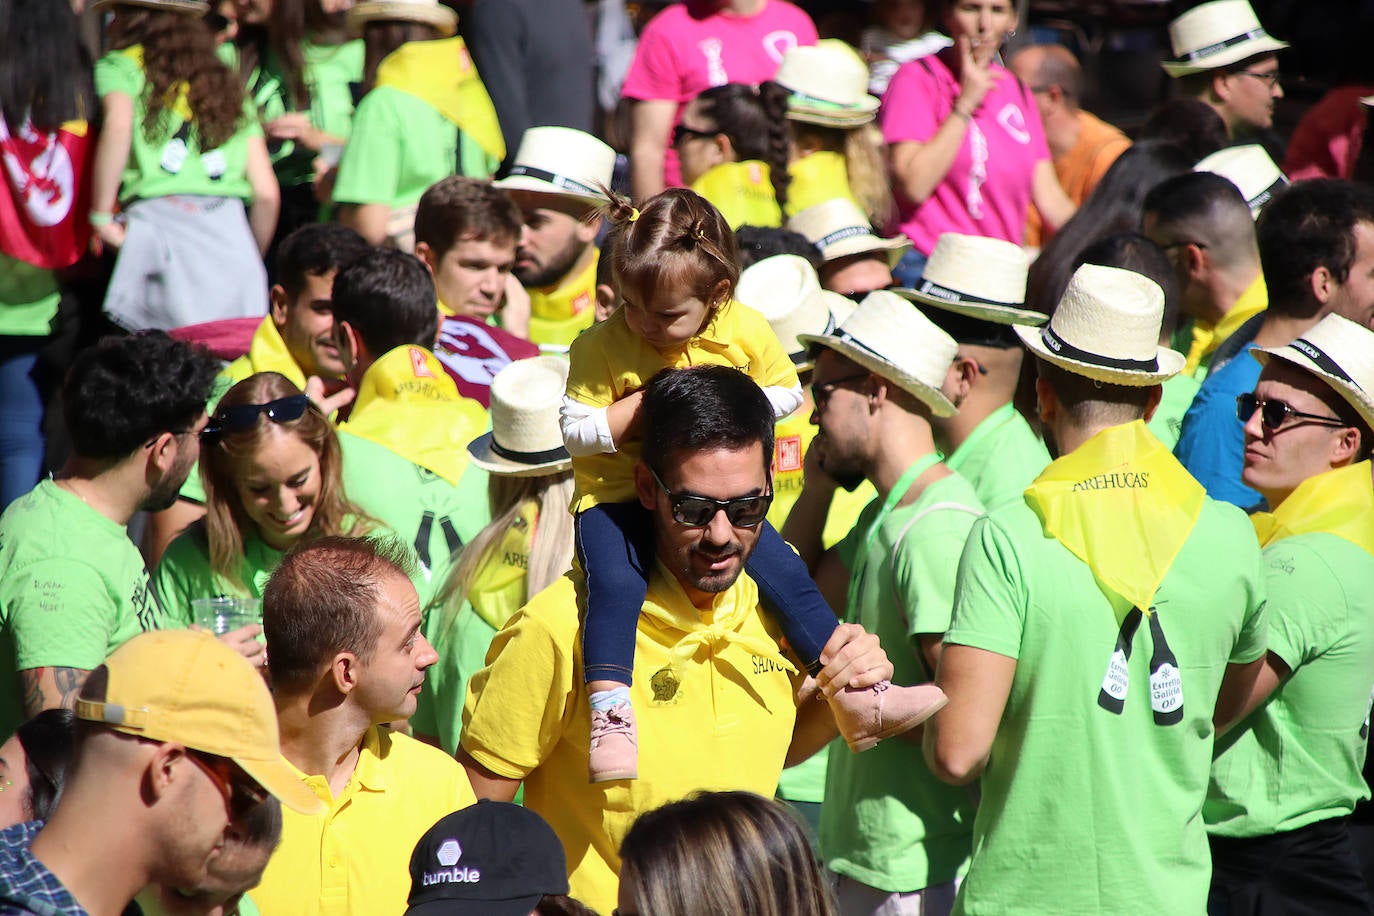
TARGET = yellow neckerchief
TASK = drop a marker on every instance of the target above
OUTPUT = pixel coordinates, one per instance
(441, 73)
(267, 353)
(177, 98)
(816, 178)
(1339, 502)
(559, 314)
(498, 590)
(742, 192)
(1207, 337)
(1122, 504)
(668, 606)
(407, 403)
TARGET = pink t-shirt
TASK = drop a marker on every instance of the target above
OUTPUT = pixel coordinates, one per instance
(692, 46)
(988, 187)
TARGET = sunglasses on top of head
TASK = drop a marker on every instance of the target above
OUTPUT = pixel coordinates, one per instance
(245, 416)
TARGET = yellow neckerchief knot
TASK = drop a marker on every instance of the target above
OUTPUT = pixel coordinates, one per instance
(1123, 505)
(407, 403)
(729, 613)
(1339, 502)
(441, 73)
(268, 353)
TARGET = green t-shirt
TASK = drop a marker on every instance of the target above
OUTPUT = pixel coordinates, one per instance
(1082, 810)
(1001, 457)
(171, 161)
(1167, 422)
(28, 299)
(399, 146)
(1297, 759)
(74, 589)
(425, 510)
(462, 644)
(887, 821)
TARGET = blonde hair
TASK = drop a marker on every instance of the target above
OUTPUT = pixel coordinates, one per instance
(551, 548)
(863, 161)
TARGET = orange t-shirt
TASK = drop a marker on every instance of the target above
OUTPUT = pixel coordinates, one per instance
(1081, 168)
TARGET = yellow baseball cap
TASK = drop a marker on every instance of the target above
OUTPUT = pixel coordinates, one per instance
(188, 687)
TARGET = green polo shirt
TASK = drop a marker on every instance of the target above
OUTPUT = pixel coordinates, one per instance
(1001, 457)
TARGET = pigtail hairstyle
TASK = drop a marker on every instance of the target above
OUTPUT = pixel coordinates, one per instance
(179, 51)
(755, 120)
(677, 239)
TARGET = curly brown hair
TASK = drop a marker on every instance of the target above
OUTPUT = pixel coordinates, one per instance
(180, 50)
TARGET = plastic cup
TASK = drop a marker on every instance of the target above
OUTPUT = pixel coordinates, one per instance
(225, 614)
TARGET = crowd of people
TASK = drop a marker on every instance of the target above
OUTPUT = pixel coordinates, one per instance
(849, 477)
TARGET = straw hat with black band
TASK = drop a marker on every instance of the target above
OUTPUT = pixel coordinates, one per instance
(890, 338)
(1215, 35)
(1250, 169)
(190, 7)
(782, 289)
(1106, 328)
(840, 229)
(425, 12)
(829, 85)
(525, 438)
(1338, 351)
(981, 278)
(563, 162)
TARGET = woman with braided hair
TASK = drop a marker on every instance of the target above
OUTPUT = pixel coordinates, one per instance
(734, 146)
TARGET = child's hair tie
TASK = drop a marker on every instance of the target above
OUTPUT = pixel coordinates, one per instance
(634, 214)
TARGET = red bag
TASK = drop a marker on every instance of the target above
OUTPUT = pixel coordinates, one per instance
(45, 193)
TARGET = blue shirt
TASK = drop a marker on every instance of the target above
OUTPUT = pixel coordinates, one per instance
(1212, 443)
(26, 885)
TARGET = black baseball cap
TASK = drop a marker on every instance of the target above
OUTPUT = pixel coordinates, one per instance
(490, 859)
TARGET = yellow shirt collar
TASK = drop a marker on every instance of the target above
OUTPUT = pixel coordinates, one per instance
(1207, 337)
(268, 353)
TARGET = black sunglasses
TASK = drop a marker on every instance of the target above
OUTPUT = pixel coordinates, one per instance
(242, 793)
(698, 511)
(683, 132)
(1275, 413)
(820, 392)
(245, 416)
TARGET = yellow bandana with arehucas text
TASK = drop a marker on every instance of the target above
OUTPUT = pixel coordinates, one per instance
(498, 590)
(1122, 504)
(727, 615)
(1339, 502)
(560, 314)
(407, 403)
(441, 73)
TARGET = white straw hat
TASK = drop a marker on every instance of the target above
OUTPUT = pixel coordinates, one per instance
(1341, 353)
(562, 161)
(889, 336)
(1250, 169)
(1216, 34)
(1106, 327)
(525, 438)
(829, 85)
(192, 7)
(979, 277)
(840, 229)
(427, 12)
(781, 289)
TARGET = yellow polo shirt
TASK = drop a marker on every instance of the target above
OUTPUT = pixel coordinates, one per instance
(610, 361)
(354, 860)
(1207, 338)
(716, 714)
(559, 314)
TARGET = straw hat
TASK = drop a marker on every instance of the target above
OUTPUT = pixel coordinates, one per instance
(561, 161)
(1216, 34)
(1250, 169)
(781, 289)
(1341, 353)
(839, 229)
(427, 12)
(1107, 328)
(829, 85)
(888, 336)
(979, 277)
(192, 7)
(525, 438)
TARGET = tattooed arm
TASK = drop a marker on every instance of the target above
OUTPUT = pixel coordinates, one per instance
(50, 688)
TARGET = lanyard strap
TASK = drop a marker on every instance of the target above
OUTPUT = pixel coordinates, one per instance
(894, 496)
(993, 421)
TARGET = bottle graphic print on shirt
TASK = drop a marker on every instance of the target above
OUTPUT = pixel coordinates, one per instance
(1117, 680)
(1166, 681)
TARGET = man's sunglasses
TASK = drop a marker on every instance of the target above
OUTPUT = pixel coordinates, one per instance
(683, 132)
(698, 511)
(241, 792)
(1274, 413)
(245, 416)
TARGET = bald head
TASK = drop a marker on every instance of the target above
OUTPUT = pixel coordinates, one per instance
(1045, 66)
